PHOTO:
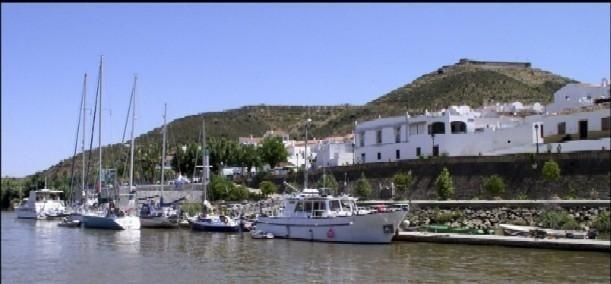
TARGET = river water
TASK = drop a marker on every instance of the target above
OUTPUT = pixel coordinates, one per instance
(41, 252)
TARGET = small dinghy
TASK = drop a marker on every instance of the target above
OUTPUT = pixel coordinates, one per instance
(70, 222)
(257, 234)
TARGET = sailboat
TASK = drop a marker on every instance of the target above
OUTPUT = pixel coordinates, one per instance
(75, 210)
(159, 215)
(211, 222)
(112, 217)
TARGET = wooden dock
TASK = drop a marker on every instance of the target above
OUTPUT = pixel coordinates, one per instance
(513, 241)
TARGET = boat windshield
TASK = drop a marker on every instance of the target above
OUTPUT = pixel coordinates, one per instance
(347, 205)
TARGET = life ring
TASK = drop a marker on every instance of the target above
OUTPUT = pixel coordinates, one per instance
(330, 233)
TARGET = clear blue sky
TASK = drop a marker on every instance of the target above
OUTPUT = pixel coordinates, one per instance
(212, 57)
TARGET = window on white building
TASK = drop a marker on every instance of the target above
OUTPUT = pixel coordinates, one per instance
(398, 135)
(363, 157)
(379, 156)
(562, 128)
(604, 123)
(362, 139)
(397, 154)
(418, 151)
(379, 136)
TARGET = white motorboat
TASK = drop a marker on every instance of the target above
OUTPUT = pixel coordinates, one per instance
(42, 204)
(311, 215)
(315, 217)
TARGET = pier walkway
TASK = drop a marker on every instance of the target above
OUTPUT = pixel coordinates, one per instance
(514, 241)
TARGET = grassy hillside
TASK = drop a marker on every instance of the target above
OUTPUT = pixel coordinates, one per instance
(458, 84)
(473, 85)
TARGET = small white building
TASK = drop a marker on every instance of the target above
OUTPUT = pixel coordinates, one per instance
(574, 96)
(296, 152)
(335, 151)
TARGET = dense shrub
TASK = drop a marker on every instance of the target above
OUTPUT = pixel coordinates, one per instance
(602, 222)
(494, 185)
(362, 189)
(445, 186)
(557, 220)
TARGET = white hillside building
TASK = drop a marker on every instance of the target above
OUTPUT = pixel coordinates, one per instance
(491, 130)
(457, 131)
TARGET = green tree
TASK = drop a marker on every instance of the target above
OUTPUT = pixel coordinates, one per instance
(328, 181)
(220, 187)
(494, 185)
(222, 152)
(267, 188)
(250, 157)
(402, 182)
(551, 170)
(272, 151)
(363, 188)
(185, 160)
(238, 193)
(445, 186)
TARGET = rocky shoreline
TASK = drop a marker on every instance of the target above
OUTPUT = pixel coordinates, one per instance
(489, 218)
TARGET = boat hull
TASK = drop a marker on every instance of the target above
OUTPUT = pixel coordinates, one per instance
(158, 222)
(28, 213)
(111, 223)
(199, 226)
(370, 228)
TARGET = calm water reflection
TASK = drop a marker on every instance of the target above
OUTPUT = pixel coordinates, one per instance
(41, 252)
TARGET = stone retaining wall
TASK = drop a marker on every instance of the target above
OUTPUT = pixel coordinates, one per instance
(487, 218)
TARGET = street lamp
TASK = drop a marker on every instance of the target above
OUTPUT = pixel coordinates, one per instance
(433, 137)
(537, 137)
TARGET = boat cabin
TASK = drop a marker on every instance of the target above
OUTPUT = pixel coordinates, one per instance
(309, 204)
(46, 196)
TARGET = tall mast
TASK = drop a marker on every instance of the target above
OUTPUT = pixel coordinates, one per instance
(165, 108)
(205, 162)
(100, 125)
(83, 139)
(131, 158)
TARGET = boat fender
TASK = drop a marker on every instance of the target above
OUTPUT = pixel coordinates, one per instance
(330, 233)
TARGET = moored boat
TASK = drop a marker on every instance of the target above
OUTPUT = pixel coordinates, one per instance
(216, 223)
(71, 221)
(42, 204)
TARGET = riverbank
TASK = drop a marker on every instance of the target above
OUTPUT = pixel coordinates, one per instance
(510, 241)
